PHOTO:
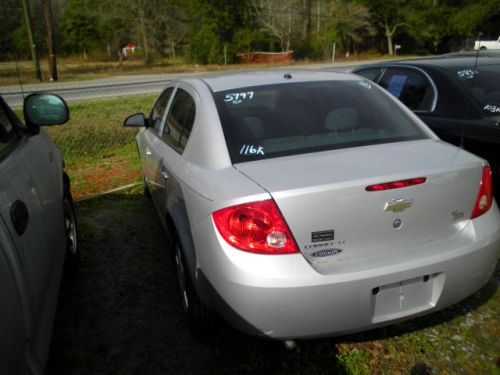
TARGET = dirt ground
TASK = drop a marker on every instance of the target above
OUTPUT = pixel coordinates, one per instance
(119, 314)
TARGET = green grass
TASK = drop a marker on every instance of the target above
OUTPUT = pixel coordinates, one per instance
(95, 129)
(100, 153)
(463, 339)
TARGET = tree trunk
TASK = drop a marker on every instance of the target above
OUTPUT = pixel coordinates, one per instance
(306, 31)
(389, 44)
(289, 28)
(142, 20)
(319, 19)
(50, 42)
(388, 35)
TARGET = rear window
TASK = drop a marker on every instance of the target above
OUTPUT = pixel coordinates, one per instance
(296, 118)
(483, 82)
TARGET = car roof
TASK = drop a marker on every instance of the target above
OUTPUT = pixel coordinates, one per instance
(444, 61)
(233, 80)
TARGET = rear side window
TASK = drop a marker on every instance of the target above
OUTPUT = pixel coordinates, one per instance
(8, 134)
(158, 112)
(483, 83)
(180, 120)
(410, 86)
(370, 73)
(295, 118)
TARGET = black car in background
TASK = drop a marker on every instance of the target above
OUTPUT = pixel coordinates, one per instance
(458, 97)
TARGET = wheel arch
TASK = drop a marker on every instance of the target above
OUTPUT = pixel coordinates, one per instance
(66, 181)
(178, 229)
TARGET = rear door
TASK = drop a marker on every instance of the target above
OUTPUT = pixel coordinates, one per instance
(149, 140)
(169, 149)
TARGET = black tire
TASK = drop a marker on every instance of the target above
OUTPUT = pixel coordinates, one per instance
(483, 48)
(194, 310)
(145, 189)
(72, 259)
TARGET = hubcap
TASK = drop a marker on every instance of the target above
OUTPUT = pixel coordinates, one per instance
(70, 228)
(181, 279)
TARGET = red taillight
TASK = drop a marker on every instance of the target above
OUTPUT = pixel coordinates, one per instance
(396, 184)
(257, 227)
(485, 195)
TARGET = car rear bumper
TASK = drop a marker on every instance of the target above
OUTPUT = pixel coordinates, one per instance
(284, 297)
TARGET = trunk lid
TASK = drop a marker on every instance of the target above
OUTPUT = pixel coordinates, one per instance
(324, 201)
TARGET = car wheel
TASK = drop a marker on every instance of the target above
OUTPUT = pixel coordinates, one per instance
(483, 48)
(71, 232)
(191, 305)
(145, 189)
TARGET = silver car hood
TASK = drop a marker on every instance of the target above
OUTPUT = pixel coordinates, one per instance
(333, 218)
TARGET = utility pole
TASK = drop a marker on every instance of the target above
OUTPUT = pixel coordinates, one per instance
(34, 54)
(50, 42)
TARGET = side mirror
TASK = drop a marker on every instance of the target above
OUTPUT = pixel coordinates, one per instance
(45, 109)
(136, 120)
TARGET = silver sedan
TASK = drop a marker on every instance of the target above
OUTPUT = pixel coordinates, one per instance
(305, 204)
(38, 232)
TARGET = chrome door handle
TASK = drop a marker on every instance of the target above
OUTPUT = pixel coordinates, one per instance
(148, 152)
(164, 175)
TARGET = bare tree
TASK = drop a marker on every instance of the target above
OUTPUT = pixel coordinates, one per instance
(279, 18)
(346, 22)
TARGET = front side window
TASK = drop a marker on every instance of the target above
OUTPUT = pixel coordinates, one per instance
(158, 112)
(410, 86)
(180, 120)
(295, 118)
(8, 134)
(483, 82)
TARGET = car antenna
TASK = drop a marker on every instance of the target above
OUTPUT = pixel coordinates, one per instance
(476, 59)
(472, 83)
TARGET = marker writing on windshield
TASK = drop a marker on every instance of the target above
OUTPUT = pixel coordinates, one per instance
(251, 150)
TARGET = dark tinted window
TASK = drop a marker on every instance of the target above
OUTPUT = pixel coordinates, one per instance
(8, 134)
(410, 86)
(369, 73)
(156, 117)
(286, 119)
(483, 83)
(180, 120)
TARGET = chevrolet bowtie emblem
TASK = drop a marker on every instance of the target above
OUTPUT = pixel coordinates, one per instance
(398, 205)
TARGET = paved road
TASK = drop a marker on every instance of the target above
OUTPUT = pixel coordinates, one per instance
(120, 85)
